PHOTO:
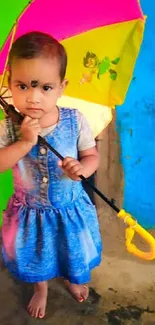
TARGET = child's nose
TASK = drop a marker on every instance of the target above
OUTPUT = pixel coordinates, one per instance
(33, 97)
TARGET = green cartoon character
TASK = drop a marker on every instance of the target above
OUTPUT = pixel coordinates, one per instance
(98, 67)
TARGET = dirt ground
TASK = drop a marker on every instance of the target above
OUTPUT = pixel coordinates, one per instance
(122, 288)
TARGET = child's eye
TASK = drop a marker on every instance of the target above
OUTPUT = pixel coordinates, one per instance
(47, 88)
(22, 86)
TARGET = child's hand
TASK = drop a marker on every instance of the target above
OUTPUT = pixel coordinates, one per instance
(30, 129)
(72, 168)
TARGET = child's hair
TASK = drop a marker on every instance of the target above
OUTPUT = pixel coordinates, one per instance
(36, 44)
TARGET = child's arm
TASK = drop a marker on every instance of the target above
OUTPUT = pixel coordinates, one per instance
(89, 160)
(10, 155)
(86, 166)
(88, 154)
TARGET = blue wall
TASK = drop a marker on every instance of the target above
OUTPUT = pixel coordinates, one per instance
(136, 127)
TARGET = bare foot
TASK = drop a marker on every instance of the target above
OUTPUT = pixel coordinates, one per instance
(37, 304)
(79, 291)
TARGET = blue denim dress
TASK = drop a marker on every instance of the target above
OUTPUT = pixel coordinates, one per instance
(50, 227)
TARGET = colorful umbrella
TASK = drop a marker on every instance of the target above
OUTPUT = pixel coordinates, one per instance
(102, 39)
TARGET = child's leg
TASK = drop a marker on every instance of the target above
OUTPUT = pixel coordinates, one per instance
(79, 291)
(37, 305)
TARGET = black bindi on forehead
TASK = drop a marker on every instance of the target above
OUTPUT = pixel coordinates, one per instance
(34, 83)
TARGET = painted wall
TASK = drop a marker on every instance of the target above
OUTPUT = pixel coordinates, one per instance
(136, 127)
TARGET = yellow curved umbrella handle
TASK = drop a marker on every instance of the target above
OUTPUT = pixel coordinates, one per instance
(130, 231)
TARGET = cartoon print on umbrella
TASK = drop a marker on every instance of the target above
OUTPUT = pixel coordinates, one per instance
(98, 67)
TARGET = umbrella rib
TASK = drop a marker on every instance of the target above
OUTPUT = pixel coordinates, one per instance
(6, 62)
(5, 91)
(21, 13)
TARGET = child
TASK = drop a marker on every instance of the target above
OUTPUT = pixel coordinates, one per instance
(50, 226)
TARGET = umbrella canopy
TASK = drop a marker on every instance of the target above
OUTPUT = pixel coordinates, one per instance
(102, 39)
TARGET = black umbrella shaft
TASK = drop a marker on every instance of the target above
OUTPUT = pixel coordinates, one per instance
(17, 117)
(102, 196)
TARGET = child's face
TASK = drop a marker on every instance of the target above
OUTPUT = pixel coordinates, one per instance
(41, 99)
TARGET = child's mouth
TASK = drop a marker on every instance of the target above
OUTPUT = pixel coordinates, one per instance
(34, 109)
